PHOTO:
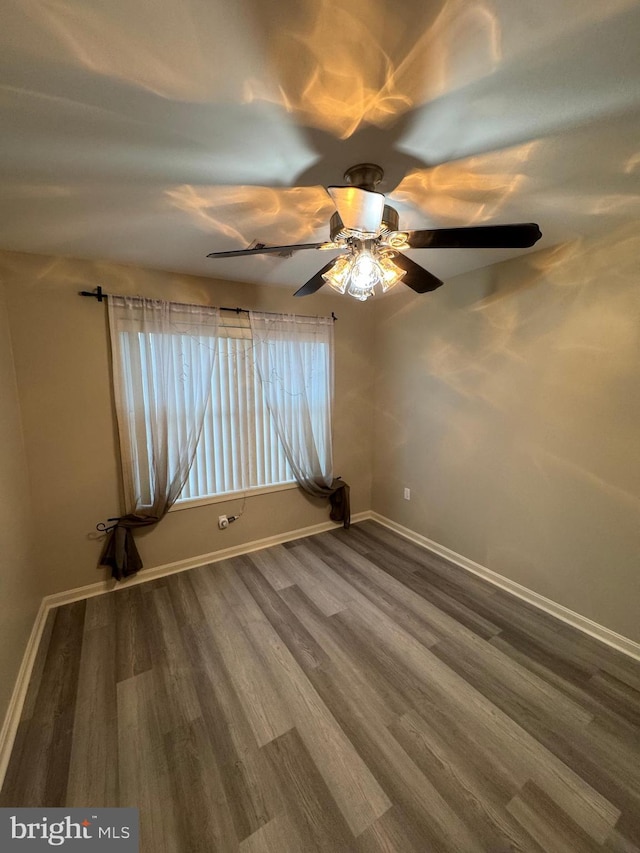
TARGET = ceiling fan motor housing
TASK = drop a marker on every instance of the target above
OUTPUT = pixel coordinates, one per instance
(389, 223)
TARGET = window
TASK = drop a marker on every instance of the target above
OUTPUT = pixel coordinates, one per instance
(238, 448)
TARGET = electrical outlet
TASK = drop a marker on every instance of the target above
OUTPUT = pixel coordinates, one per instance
(223, 522)
(407, 494)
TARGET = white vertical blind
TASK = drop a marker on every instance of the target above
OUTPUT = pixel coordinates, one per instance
(239, 448)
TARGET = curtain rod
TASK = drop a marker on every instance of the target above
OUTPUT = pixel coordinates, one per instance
(99, 294)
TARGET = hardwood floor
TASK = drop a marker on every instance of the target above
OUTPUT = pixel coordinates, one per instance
(345, 692)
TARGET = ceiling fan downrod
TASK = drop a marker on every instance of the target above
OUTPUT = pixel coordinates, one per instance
(365, 176)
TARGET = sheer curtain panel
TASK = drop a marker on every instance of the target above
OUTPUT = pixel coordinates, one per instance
(163, 358)
(294, 360)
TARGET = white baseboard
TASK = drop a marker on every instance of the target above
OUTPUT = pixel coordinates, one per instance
(582, 623)
(14, 711)
(81, 592)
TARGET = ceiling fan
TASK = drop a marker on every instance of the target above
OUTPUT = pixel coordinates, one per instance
(365, 230)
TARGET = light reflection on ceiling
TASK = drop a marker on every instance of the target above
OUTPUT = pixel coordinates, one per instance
(286, 215)
(153, 134)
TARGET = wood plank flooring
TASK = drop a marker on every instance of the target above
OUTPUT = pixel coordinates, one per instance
(345, 692)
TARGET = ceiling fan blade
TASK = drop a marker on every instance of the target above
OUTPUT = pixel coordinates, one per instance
(518, 236)
(261, 249)
(316, 282)
(359, 209)
(416, 277)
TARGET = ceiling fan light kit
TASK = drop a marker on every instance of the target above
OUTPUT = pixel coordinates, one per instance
(365, 230)
(359, 272)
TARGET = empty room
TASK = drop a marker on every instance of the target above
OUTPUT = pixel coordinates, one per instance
(320, 426)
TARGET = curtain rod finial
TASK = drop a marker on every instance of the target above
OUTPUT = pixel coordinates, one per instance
(97, 293)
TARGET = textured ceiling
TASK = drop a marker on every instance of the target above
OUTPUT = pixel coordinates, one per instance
(152, 133)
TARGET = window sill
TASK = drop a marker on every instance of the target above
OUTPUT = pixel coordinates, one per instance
(231, 496)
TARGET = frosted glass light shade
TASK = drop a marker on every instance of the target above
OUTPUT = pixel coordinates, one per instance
(338, 276)
(391, 273)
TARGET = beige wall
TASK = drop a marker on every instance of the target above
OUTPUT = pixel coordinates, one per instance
(509, 402)
(61, 357)
(20, 587)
